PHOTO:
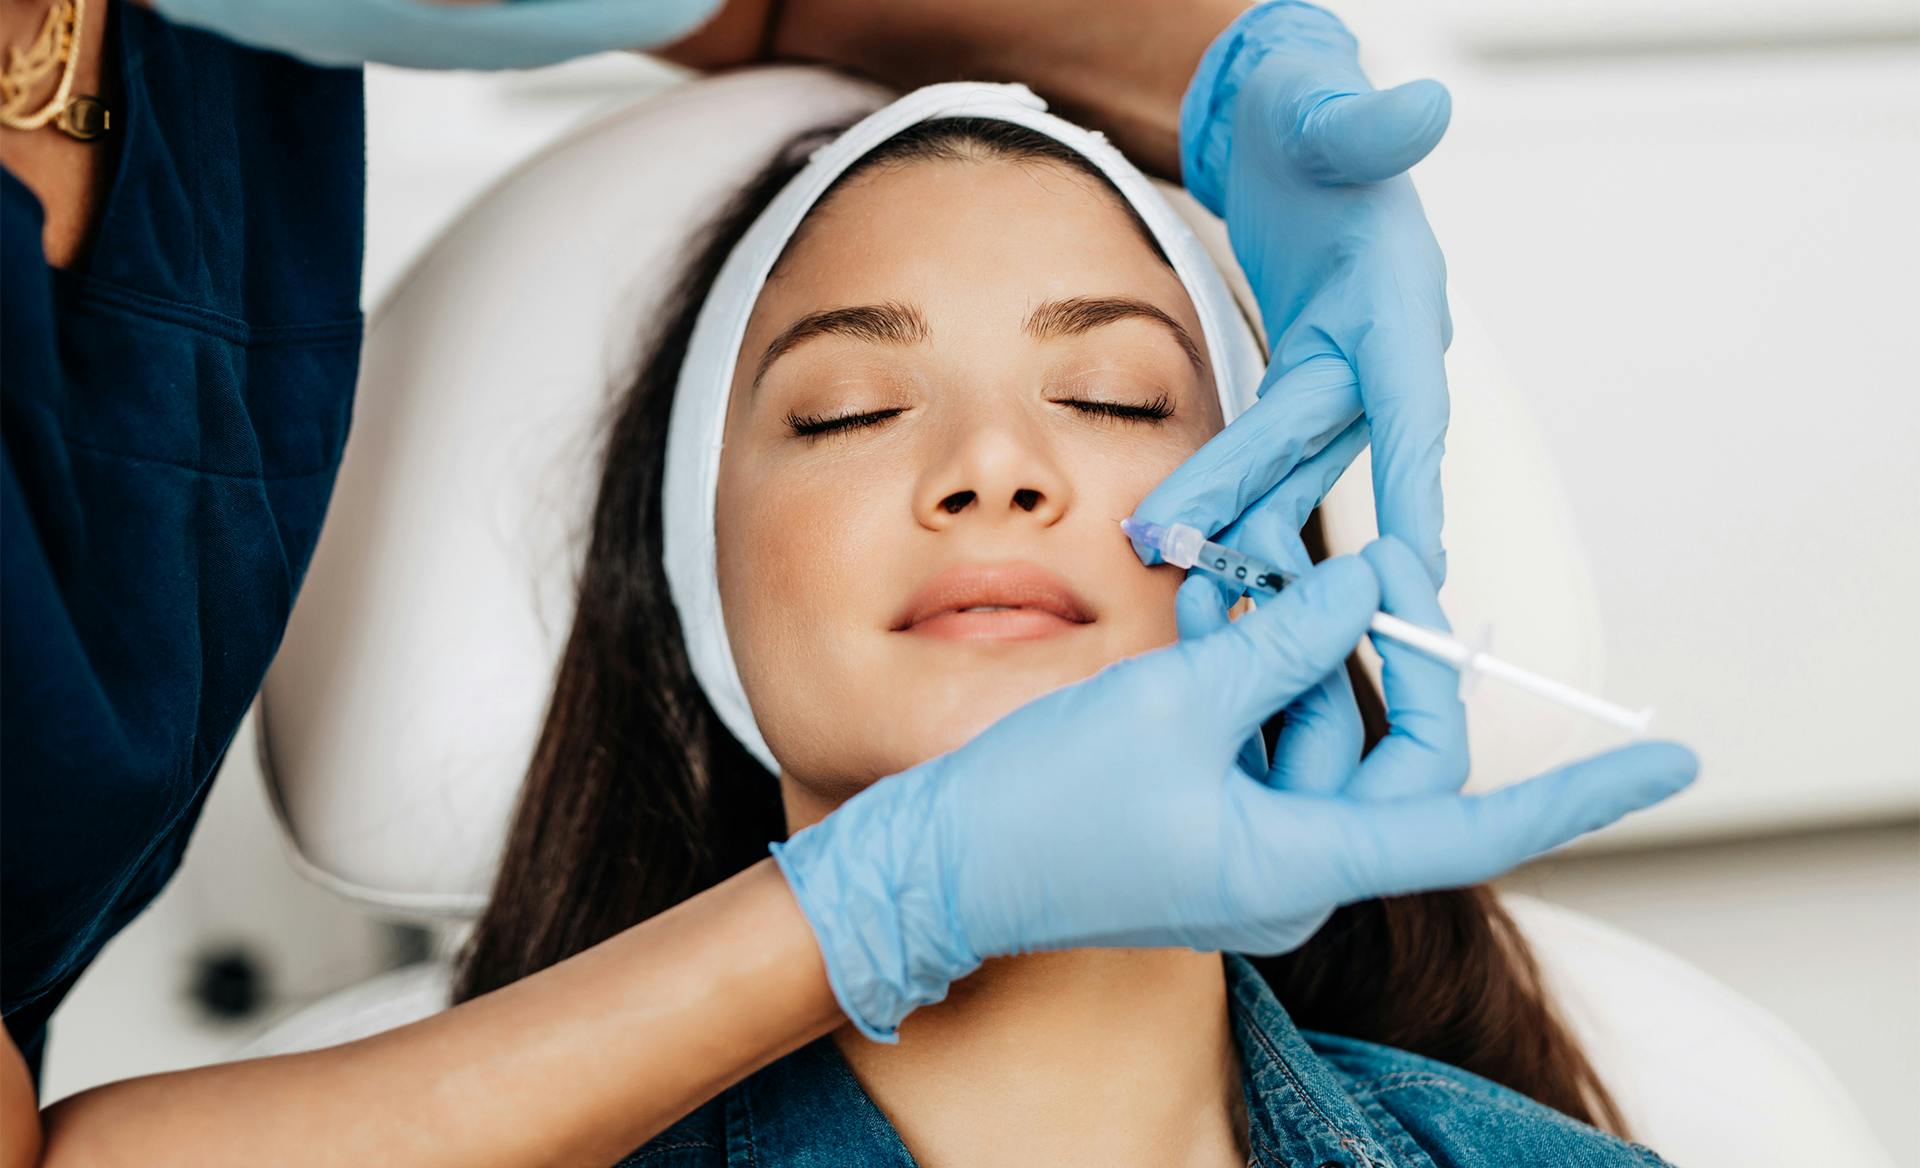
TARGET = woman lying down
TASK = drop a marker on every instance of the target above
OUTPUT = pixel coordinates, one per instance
(971, 360)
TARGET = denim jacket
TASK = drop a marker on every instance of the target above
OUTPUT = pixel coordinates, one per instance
(1313, 1100)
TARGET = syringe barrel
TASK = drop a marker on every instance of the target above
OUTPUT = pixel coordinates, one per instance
(1223, 562)
(1182, 545)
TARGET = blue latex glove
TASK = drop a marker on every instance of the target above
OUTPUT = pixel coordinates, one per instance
(1113, 812)
(1283, 137)
(425, 34)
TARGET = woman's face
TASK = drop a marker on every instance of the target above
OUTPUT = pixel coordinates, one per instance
(961, 377)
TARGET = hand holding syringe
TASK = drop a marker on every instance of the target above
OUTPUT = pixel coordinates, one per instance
(1186, 547)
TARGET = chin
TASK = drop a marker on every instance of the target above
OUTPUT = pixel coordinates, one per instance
(949, 720)
(932, 704)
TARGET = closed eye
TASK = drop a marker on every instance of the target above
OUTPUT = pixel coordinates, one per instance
(818, 425)
(1159, 409)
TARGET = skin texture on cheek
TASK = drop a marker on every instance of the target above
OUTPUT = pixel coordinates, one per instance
(796, 564)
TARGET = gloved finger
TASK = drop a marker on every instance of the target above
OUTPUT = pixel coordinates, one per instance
(1272, 655)
(1368, 137)
(1319, 746)
(1447, 841)
(1302, 411)
(1403, 382)
(1200, 608)
(1425, 750)
(1275, 519)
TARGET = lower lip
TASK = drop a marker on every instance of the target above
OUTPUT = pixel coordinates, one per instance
(1012, 624)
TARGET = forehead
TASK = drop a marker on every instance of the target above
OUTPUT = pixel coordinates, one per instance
(978, 242)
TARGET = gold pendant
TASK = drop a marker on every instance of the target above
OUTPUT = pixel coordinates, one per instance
(85, 118)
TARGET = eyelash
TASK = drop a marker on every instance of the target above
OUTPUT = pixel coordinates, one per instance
(1157, 410)
(818, 426)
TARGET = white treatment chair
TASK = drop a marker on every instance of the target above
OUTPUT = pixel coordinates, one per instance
(397, 721)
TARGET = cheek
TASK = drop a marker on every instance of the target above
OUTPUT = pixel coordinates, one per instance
(1116, 475)
(1114, 480)
(783, 504)
(783, 547)
(793, 551)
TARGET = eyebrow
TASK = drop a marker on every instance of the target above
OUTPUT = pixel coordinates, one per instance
(890, 323)
(901, 324)
(1080, 314)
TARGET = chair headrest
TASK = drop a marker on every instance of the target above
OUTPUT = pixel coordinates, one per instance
(397, 721)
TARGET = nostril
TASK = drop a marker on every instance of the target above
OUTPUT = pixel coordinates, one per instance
(957, 502)
(1026, 498)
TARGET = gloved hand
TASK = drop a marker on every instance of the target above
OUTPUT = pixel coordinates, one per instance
(1283, 137)
(430, 34)
(1113, 812)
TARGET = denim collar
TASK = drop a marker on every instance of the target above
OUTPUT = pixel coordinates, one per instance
(808, 1111)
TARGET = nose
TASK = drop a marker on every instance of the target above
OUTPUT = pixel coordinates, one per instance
(994, 471)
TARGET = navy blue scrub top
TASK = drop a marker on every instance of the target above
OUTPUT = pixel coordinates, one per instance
(173, 410)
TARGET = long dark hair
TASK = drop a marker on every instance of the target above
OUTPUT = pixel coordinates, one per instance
(638, 798)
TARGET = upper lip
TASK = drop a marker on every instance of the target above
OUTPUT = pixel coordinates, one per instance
(1018, 584)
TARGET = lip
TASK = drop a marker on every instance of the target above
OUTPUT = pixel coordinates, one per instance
(1033, 602)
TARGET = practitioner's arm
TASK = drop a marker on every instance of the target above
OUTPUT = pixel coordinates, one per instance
(577, 1064)
(1118, 65)
(19, 1118)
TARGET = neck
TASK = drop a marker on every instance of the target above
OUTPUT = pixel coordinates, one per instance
(1092, 1056)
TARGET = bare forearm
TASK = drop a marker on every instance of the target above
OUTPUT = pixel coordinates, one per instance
(1118, 65)
(19, 1121)
(578, 1064)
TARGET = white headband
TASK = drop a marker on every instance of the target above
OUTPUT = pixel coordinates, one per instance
(706, 379)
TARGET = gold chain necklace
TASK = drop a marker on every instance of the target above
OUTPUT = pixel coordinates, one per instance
(80, 116)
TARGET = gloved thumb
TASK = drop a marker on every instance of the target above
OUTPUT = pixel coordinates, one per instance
(1367, 137)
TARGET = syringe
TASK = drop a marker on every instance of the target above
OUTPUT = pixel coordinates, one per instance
(1184, 546)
